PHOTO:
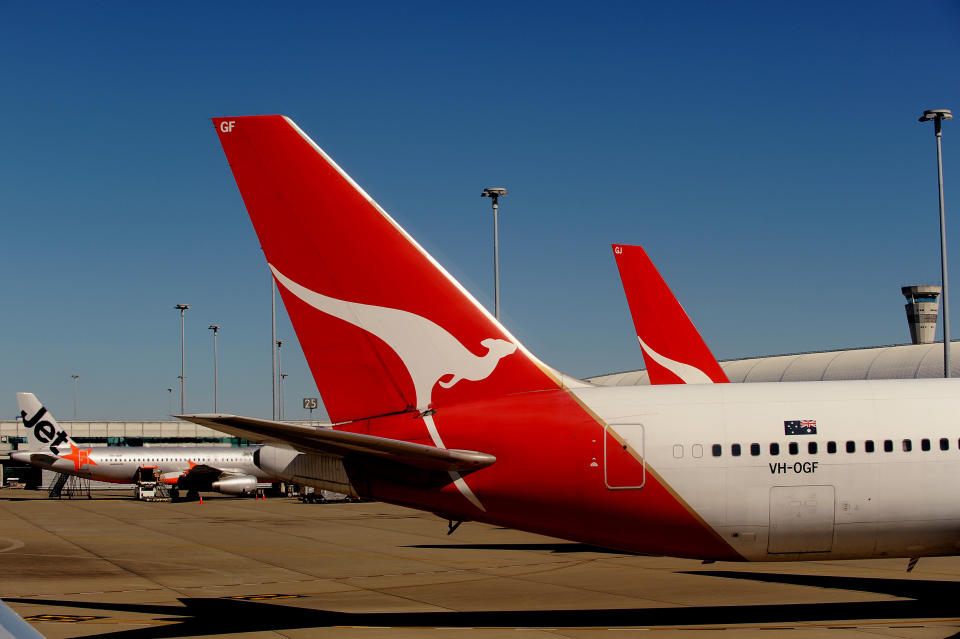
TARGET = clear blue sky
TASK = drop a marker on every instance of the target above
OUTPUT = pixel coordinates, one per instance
(767, 155)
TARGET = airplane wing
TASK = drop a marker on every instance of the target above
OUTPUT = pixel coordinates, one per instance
(198, 471)
(309, 439)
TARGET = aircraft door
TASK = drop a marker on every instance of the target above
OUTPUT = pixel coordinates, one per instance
(801, 519)
(623, 463)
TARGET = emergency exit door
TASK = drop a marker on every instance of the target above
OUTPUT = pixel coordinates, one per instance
(623, 464)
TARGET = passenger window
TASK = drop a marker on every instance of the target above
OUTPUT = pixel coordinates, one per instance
(774, 448)
(677, 451)
(794, 448)
(868, 445)
(831, 447)
(944, 443)
(888, 445)
(754, 449)
(812, 448)
(735, 450)
(851, 447)
(697, 450)
(924, 444)
(907, 445)
(717, 449)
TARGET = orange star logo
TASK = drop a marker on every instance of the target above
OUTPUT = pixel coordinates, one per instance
(79, 457)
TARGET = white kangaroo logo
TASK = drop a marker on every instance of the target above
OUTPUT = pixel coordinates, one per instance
(689, 374)
(482, 367)
(429, 352)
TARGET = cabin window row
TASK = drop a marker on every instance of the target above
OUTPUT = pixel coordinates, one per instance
(850, 446)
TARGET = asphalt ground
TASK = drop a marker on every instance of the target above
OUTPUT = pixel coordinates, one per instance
(115, 567)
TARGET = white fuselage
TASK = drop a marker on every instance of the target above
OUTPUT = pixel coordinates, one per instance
(898, 500)
(119, 464)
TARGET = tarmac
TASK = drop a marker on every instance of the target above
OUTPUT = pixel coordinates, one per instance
(271, 568)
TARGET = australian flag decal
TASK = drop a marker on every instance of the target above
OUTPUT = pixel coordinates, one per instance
(800, 427)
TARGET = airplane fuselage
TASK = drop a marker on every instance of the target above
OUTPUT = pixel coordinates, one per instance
(708, 471)
(119, 464)
(875, 480)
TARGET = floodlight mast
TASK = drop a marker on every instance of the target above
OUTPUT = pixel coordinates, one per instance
(938, 116)
(494, 193)
(182, 308)
(215, 328)
(273, 341)
(279, 344)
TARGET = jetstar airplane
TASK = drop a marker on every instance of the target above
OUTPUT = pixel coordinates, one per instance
(673, 349)
(452, 415)
(194, 468)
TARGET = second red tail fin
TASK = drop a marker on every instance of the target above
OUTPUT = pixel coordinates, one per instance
(673, 349)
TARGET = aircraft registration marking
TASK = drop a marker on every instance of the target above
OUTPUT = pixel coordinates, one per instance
(799, 468)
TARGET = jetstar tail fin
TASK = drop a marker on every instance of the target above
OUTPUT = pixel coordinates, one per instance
(673, 349)
(385, 329)
(43, 431)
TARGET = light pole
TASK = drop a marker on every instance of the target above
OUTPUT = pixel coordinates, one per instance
(279, 413)
(215, 328)
(495, 194)
(76, 397)
(938, 116)
(169, 401)
(273, 340)
(183, 386)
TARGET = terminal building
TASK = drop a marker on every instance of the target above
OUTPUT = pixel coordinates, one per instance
(902, 361)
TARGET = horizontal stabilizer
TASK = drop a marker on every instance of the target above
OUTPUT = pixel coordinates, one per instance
(309, 439)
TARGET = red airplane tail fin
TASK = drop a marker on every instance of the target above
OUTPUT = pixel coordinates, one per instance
(385, 329)
(673, 349)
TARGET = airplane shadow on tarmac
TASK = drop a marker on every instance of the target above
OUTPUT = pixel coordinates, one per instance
(199, 616)
(558, 547)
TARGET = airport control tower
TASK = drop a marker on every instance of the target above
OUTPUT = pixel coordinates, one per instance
(922, 307)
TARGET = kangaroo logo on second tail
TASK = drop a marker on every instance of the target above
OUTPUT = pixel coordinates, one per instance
(407, 333)
(689, 374)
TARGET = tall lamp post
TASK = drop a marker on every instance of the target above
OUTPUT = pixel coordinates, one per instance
(279, 412)
(938, 116)
(215, 328)
(76, 397)
(283, 377)
(183, 387)
(495, 194)
(273, 341)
